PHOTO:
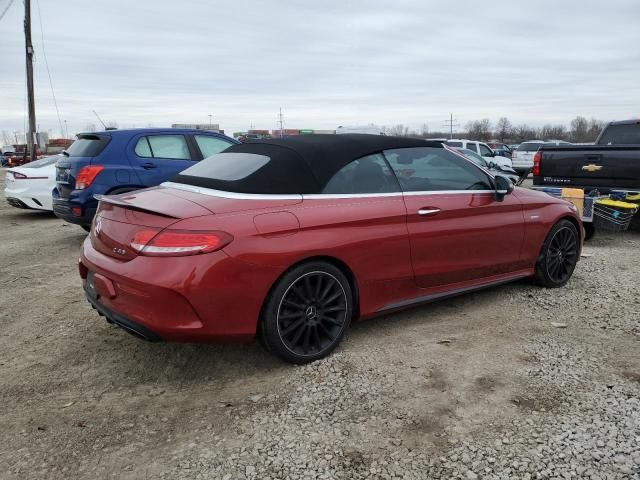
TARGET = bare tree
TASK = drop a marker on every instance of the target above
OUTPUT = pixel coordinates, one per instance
(503, 129)
(594, 129)
(397, 130)
(7, 138)
(579, 129)
(479, 129)
(91, 127)
(524, 132)
(556, 132)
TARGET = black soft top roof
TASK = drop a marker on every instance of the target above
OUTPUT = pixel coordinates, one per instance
(303, 164)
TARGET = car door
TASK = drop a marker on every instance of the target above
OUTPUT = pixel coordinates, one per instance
(362, 213)
(458, 230)
(158, 157)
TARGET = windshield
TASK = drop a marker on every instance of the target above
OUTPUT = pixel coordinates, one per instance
(474, 157)
(43, 162)
(624, 134)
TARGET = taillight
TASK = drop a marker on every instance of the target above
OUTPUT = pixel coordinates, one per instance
(536, 164)
(87, 175)
(18, 176)
(174, 243)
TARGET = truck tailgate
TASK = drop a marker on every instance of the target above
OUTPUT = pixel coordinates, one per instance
(604, 167)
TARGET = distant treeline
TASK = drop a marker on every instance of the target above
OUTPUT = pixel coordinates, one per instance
(580, 130)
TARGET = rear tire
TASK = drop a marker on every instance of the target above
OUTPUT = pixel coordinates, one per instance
(307, 313)
(558, 256)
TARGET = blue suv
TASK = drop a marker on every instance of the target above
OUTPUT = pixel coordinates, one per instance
(119, 161)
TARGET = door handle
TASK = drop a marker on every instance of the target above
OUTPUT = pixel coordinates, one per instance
(149, 166)
(428, 212)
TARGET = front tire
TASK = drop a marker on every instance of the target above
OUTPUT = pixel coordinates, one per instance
(558, 256)
(307, 313)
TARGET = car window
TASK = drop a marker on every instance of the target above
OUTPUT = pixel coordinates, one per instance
(169, 146)
(211, 145)
(485, 151)
(474, 157)
(472, 146)
(142, 148)
(88, 146)
(529, 147)
(434, 169)
(368, 174)
(454, 144)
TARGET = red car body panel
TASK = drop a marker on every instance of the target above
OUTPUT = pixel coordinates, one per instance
(395, 257)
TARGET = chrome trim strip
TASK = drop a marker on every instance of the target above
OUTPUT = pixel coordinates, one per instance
(450, 293)
(315, 196)
(451, 192)
(322, 196)
(220, 193)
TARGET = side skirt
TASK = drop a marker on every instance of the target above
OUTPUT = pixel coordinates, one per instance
(423, 299)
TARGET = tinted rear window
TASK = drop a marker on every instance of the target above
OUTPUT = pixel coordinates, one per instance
(270, 172)
(621, 134)
(529, 147)
(88, 146)
(454, 144)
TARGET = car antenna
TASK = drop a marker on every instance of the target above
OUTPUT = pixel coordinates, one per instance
(98, 117)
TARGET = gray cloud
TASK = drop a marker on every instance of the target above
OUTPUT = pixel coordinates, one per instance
(325, 63)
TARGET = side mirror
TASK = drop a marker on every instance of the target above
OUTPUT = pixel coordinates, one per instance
(504, 186)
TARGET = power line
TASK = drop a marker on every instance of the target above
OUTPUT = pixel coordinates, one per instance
(281, 122)
(451, 122)
(6, 9)
(46, 63)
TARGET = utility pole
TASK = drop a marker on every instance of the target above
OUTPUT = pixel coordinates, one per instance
(66, 130)
(31, 137)
(281, 122)
(451, 122)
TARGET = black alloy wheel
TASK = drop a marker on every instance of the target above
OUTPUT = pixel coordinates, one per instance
(307, 313)
(559, 255)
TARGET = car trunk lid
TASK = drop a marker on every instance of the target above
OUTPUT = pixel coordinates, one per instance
(119, 217)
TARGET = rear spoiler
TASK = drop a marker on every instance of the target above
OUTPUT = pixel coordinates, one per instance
(121, 203)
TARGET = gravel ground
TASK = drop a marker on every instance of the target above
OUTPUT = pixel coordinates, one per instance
(515, 382)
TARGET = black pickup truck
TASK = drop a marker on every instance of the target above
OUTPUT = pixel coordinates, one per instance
(613, 163)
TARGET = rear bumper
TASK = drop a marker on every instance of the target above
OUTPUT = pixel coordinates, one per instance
(16, 202)
(130, 326)
(201, 298)
(64, 209)
(26, 201)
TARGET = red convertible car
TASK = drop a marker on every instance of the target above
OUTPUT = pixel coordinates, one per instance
(289, 240)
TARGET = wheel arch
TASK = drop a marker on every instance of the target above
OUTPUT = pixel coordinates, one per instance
(575, 222)
(336, 262)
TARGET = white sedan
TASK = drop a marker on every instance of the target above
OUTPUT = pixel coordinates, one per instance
(30, 185)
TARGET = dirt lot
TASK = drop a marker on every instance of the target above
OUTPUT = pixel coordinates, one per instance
(481, 386)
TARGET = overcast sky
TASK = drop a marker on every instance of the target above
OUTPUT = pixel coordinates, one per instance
(326, 62)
